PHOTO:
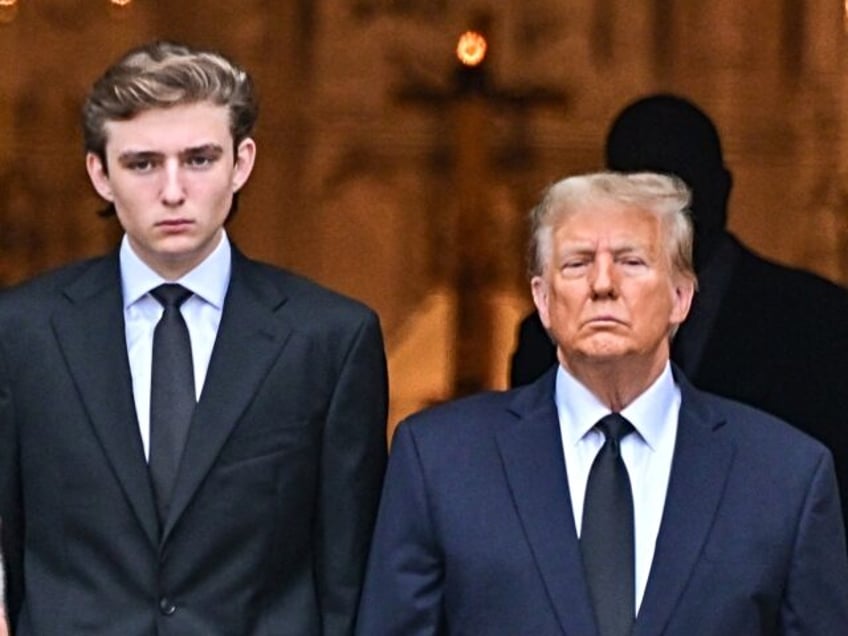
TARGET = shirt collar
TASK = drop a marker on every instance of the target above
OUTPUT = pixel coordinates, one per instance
(580, 409)
(209, 280)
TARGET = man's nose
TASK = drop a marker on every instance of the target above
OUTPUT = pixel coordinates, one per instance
(602, 276)
(173, 190)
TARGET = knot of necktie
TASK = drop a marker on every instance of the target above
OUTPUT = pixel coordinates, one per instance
(615, 427)
(171, 295)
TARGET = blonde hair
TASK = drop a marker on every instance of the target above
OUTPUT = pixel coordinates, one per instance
(666, 196)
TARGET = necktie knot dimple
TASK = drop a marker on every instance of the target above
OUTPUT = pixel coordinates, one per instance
(615, 428)
(172, 393)
(171, 295)
(607, 534)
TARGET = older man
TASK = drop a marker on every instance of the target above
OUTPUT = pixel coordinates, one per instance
(758, 332)
(609, 497)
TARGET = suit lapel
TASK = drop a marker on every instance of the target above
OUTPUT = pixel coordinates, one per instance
(250, 337)
(90, 332)
(701, 464)
(531, 448)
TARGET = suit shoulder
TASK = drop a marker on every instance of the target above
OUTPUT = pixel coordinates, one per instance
(29, 295)
(468, 416)
(52, 279)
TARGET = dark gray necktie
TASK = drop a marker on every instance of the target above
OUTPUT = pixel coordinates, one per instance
(606, 535)
(172, 396)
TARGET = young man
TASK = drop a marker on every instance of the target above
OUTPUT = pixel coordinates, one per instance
(609, 497)
(191, 442)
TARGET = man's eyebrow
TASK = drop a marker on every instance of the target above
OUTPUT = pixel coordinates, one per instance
(629, 247)
(635, 245)
(136, 155)
(589, 247)
(214, 150)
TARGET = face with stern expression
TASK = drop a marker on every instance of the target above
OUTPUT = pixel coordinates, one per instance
(171, 174)
(608, 291)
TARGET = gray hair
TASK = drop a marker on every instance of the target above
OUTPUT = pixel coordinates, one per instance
(666, 196)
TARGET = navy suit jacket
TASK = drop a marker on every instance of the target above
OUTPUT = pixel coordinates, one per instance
(272, 513)
(475, 533)
(779, 342)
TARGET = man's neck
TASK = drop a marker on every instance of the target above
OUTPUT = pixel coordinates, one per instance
(617, 382)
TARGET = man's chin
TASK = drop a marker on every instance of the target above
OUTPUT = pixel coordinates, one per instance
(605, 347)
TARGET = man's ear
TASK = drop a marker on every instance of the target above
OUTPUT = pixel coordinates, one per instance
(245, 158)
(684, 292)
(99, 176)
(541, 298)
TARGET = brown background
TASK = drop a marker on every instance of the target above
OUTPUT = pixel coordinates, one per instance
(376, 179)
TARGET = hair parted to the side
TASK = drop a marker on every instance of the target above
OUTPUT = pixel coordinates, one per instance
(162, 74)
(666, 196)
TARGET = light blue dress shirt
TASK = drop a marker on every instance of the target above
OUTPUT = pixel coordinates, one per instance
(647, 454)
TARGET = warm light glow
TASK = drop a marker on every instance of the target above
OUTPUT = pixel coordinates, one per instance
(8, 11)
(120, 3)
(471, 48)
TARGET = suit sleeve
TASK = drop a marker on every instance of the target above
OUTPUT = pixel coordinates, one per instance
(352, 468)
(404, 584)
(816, 596)
(11, 510)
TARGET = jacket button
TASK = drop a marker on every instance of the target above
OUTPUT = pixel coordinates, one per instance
(166, 606)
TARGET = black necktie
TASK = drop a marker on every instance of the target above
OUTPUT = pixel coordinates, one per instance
(606, 535)
(172, 397)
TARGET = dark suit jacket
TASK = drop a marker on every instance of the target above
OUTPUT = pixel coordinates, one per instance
(271, 518)
(475, 533)
(779, 342)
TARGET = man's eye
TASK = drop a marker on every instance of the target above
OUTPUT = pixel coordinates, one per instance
(574, 264)
(632, 261)
(198, 161)
(140, 165)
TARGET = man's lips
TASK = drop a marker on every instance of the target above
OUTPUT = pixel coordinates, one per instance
(174, 224)
(604, 320)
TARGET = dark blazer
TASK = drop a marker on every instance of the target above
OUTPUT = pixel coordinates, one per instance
(779, 342)
(272, 514)
(475, 533)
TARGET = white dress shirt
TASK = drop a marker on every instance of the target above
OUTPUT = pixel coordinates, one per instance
(201, 312)
(647, 454)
